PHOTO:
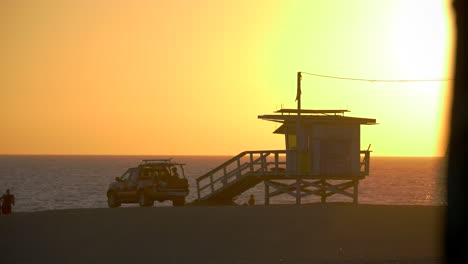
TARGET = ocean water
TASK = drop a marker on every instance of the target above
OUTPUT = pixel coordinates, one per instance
(62, 182)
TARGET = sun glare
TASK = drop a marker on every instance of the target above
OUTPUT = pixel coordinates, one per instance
(419, 39)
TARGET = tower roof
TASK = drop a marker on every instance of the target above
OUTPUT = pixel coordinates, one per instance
(308, 116)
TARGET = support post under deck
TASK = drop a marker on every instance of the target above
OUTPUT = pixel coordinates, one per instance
(323, 197)
(298, 192)
(267, 193)
(320, 188)
(355, 191)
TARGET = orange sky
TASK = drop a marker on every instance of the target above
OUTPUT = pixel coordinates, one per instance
(190, 77)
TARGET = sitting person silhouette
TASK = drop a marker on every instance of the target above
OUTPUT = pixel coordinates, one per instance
(251, 200)
(174, 172)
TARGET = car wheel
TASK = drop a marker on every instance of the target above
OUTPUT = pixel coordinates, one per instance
(112, 200)
(143, 200)
(178, 201)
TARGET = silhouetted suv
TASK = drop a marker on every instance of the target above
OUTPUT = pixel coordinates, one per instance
(152, 180)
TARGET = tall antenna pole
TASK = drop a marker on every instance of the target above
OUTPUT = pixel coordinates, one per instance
(299, 132)
(299, 92)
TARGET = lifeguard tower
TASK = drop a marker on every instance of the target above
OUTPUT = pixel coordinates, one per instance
(322, 157)
(322, 146)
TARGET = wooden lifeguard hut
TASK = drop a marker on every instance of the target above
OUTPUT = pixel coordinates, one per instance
(322, 152)
(322, 157)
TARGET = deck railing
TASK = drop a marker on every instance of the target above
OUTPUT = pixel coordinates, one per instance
(257, 163)
(261, 161)
(364, 166)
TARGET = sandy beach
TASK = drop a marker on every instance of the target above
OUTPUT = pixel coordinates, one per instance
(338, 233)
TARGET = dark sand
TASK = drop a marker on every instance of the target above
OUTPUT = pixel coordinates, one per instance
(241, 234)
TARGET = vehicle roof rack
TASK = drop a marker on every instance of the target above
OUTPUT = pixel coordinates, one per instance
(161, 161)
(157, 160)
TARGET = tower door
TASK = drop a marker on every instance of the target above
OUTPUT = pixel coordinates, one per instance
(335, 158)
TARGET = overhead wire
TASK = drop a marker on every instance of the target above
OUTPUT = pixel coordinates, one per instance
(374, 80)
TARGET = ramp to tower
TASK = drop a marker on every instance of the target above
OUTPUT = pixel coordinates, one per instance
(240, 173)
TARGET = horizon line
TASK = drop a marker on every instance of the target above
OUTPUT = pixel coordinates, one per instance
(192, 155)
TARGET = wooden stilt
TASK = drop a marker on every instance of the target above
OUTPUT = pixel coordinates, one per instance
(267, 193)
(323, 197)
(298, 192)
(356, 191)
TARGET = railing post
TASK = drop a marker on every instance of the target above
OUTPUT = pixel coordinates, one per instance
(367, 162)
(251, 162)
(239, 172)
(224, 180)
(211, 183)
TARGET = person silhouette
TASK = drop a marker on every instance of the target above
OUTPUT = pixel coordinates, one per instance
(7, 201)
(251, 200)
(174, 172)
